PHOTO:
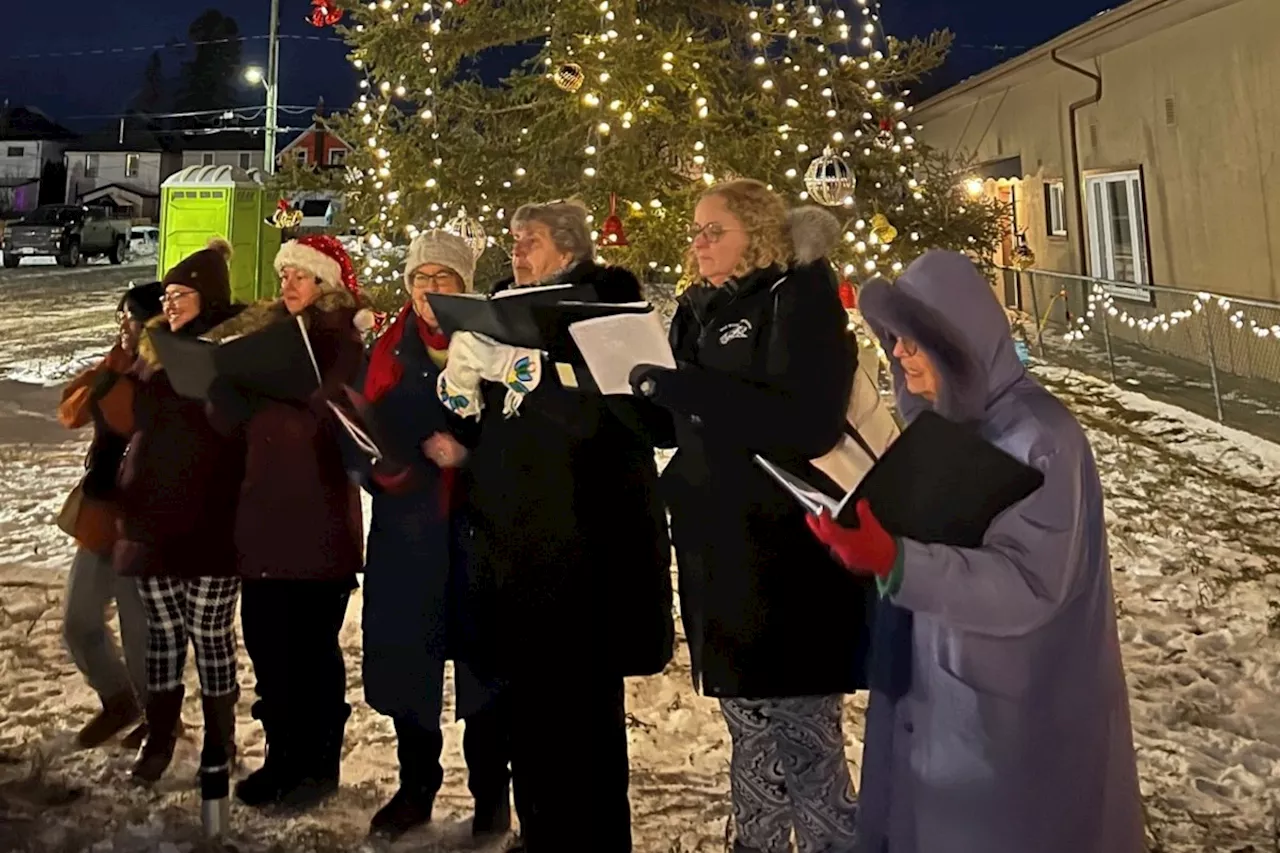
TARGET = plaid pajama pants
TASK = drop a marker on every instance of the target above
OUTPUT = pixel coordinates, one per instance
(788, 772)
(202, 610)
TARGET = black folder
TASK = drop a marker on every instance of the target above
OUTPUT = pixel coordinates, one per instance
(275, 362)
(553, 323)
(507, 317)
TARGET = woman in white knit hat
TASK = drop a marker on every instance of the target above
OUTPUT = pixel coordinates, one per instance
(409, 602)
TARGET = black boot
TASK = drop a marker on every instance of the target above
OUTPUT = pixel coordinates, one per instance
(484, 744)
(319, 761)
(418, 748)
(219, 749)
(279, 772)
(164, 709)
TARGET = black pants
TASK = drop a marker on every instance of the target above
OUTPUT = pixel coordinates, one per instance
(484, 745)
(291, 634)
(569, 763)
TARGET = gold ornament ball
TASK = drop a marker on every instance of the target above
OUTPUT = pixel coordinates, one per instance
(829, 180)
(569, 76)
(883, 229)
(1023, 257)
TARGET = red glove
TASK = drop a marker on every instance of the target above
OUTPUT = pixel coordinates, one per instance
(866, 549)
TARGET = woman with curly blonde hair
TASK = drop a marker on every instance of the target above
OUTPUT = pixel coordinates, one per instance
(776, 629)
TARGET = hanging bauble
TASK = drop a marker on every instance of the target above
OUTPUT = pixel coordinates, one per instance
(848, 295)
(1023, 257)
(829, 179)
(324, 13)
(285, 216)
(882, 229)
(611, 231)
(569, 76)
(470, 230)
(885, 137)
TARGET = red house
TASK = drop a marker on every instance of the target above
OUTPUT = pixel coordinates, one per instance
(316, 146)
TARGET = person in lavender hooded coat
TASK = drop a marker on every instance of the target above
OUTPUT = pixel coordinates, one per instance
(1014, 734)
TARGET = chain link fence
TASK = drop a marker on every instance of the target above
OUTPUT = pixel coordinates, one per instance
(1213, 354)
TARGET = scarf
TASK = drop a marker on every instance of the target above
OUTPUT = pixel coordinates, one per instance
(385, 372)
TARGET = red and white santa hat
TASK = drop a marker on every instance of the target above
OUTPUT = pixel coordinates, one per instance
(322, 256)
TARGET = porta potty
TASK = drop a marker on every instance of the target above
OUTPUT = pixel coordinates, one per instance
(203, 202)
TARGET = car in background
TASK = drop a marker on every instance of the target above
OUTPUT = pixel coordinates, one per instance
(68, 232)
(144, 240)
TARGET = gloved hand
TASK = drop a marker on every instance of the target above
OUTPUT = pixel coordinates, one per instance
(459, 383)
(644, 379)
(865, 549)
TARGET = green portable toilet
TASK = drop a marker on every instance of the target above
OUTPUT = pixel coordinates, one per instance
(203, 202)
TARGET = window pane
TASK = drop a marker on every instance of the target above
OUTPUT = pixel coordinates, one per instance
(1121, 228)
(246, 159)
(1098, 210)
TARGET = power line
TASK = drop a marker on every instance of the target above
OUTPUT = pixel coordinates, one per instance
(234, 111)
(141, 48)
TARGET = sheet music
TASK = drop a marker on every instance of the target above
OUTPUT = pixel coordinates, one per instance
(613, 346)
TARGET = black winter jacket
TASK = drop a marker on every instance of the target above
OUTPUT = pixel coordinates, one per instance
(567, 551)
(766, 367)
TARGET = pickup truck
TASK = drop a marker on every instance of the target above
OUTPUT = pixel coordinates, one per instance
(68, 232)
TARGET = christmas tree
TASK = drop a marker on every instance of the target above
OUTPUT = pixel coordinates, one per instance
(635, 106)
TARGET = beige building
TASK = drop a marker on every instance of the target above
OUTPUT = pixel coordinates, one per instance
(1142, 146)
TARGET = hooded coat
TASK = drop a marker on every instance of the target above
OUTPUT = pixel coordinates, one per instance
(1014, 734)
(767, 365)
(298, 516)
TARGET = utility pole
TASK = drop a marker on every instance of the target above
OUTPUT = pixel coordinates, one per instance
(273, 87)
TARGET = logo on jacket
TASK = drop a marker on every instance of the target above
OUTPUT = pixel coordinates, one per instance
(735, 331)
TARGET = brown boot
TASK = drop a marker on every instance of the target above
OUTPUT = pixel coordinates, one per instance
(133, 740)
(164, 710)
(117, 712)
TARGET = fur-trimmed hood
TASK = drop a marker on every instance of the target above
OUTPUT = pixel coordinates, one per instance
(943, 303)
(259, 315)
(214, 319)
(814, 233)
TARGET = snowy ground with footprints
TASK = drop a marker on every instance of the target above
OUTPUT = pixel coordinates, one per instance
(1193, 519)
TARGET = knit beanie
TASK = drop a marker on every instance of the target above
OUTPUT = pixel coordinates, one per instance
(142, 301)
(206, 272)
(443, 248)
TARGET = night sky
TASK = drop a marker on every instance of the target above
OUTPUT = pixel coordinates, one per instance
(77, 89)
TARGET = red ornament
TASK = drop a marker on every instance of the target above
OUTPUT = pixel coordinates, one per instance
(848, 295)
(611, 233)
(886, 124)
(324, 13)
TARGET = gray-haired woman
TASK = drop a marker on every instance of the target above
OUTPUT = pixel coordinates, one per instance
(567, 554)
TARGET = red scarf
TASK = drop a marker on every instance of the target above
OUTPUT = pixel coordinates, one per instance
(385, 372)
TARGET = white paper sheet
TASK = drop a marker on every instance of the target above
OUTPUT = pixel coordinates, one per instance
(613, 346)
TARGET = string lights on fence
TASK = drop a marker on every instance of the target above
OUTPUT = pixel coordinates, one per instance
(1100, 301)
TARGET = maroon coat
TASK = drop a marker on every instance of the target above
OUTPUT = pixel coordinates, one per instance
(298, 516)
(178, 484)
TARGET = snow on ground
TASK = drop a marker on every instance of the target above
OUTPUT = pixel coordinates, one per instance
(1192, 518)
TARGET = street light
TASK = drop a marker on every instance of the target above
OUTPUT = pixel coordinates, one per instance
(270, 81)
(253, 74)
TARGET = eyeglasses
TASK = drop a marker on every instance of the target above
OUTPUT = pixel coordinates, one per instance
(909, 347)
(433, 281)
(712, 231)
(172, 298)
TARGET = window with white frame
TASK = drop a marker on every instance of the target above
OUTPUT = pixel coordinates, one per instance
(1118, 232)
(246, 160)
(301, 156)
(337, 156)
(131, 163)
(91, 165)
(16, 151)
(1055, 208)
(206, 158)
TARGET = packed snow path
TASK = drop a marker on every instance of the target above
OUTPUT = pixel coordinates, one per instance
(1193, 521)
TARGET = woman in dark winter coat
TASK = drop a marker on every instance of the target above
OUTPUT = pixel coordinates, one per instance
(568, 561)
(178, 486)
(298, 531)
(92, 516)
(776, 628)
(409, 601)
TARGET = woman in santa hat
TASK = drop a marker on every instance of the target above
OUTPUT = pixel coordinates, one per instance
(298, 529)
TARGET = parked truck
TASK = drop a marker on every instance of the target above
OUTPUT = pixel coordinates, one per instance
(68, 232)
